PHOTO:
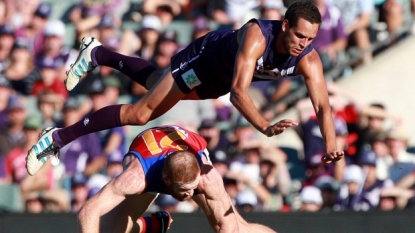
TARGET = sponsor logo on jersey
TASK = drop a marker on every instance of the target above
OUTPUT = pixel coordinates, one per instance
(191, 79)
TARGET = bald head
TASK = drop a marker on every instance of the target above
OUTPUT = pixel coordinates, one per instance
(181, 167)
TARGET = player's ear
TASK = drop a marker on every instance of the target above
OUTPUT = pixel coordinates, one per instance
(165, 179)
(284, 26)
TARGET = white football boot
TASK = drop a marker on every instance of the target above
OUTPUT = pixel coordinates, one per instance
(83, 63)
(41, 151)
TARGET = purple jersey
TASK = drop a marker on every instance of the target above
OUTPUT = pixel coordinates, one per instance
(331, 28)
(77, 154)
(207, 64)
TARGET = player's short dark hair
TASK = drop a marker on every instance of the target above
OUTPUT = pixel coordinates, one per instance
(302, 9)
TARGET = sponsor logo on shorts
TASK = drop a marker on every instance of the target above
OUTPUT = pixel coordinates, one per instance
(183, 65)
(86, 121)
(191, 79)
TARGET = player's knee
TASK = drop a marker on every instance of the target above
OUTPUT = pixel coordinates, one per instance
(83, 213)
(141, 119)
(136, 115)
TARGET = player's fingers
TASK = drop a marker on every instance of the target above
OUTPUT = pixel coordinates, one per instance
(289, 121)
(326, 159)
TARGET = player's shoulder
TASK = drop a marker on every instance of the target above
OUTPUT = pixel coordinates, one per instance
(311, 57)
(309, 62)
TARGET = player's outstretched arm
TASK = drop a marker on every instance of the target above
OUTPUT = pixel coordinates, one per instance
(130, 181)
(311, 69)
(252, 45)
(215, 202)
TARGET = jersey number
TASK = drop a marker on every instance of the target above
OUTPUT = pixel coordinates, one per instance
(166, 142)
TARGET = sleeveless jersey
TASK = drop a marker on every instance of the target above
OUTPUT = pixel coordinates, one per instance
(207, 64)
(153, 145)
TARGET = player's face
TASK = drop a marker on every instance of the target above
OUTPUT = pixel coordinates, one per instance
(185, 191)
(297, 38)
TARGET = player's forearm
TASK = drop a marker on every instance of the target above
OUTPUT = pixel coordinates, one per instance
(244, 104)
(88, 219)
(325, 120)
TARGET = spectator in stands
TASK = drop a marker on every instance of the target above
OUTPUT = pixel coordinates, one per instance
(377, 146)
(272, 10)
(200, 27)
(396, 198)
(350, 193)
(33, 204)
(48, 104)
(49, 80)
(79, 190)
(149, 34)
(231, 188)
(124, 84)
(374, 117)
(21, 12)
(111, 140)
(400, 162)
(5, 93)
(6, 44)
(114, 164)
(113, 168)
(142, 43)
(15, 162)
(54, 48)
(275, 178)
(390, 12)
(311, 137)
(329, 188)
(170, 204)
(244, 135)
(239, 12)
(372, 185)
(21, 70)
(107, 32)
(246, 170)
(311, 200)
(315, 169)
(356, 15)
(166, 10)
(224, 108)
(189, 114)
(83, 154)
(87, 14)
(331, 39)
(217, 144)
(112, 89)
(13, 136)
(5, 11)
(33, 32)
(167, 46)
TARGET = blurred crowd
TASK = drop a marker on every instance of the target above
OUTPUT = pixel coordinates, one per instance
(378, 171)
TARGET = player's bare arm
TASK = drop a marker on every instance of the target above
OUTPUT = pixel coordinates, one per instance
(215, 202)
(310, 68)
(129, 182)
(251, 47)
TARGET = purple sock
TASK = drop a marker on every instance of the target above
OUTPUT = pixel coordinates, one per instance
(105, 118)
(135, 68)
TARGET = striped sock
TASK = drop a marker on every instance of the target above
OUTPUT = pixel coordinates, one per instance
(151, 224)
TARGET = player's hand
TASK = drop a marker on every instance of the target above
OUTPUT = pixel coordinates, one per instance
(279, 127)
(332, 157)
